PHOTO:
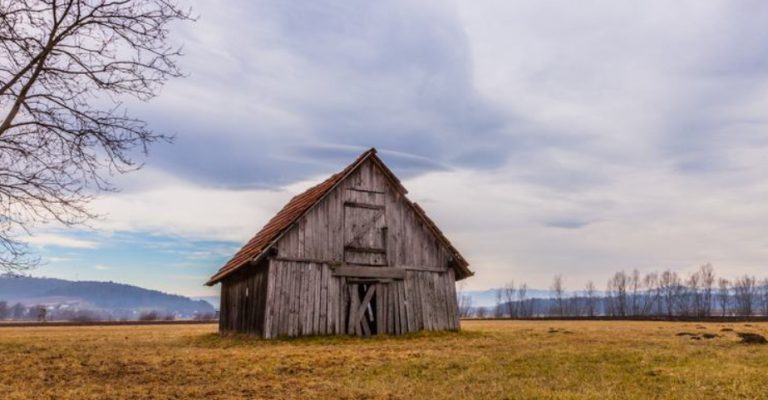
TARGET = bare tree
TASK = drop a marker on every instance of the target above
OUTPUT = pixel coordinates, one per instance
(763, 298)
(509, 300)
(723, 295)
(670, 287)
(591, 299)
(707, 277)
(617, 294)
(744, 295)
(652, 296)
(4, 310)
(524, 305)
(559, 290)
(481, 312)
(692, 299)
(17, 311)
(464, 300)
(65, 67)
(498, 310)
(634, 287)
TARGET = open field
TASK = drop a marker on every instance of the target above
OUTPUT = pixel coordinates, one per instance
(488, 359)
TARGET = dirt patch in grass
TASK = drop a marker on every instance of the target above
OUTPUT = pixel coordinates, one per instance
(752, 338)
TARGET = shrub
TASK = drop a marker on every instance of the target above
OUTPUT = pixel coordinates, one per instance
(149, 316)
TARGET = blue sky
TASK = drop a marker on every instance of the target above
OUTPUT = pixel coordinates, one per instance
(544, 137)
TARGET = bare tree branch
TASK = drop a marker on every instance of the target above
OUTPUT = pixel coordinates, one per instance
(63, 133)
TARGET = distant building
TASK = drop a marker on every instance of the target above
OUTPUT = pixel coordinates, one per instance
(351, 255)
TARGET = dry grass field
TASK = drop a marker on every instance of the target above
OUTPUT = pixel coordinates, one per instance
(488, 359)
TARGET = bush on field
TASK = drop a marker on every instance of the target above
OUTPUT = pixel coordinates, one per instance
(205, 317)
(149, 316)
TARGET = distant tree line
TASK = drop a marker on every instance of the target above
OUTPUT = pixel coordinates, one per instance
(43, 313)
(666, 294)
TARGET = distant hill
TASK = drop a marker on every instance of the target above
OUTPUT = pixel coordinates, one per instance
(106, 296)
(213, 300)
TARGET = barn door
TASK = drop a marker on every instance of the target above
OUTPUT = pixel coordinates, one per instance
(362, 316)
(365, 234)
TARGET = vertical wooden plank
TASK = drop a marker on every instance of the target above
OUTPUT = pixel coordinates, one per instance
(279, 304)
(380, 324)
(309, 297)
(353, 303)
(439, 301)
(280, 314)
(403, 323)
(384, 300)
(332, 301)
(223, 308)
(300, 247)
(393, 298)
(287, 292)
(317, 293)
(301, 297)
(312, 303)
(391, 311)
(453, 301)
(324, 301)
(281, 327)
(407, 304)
(442, 281)
(305, 311)
(341, 323)
(415, 301)
(424, 293)
(296, 295)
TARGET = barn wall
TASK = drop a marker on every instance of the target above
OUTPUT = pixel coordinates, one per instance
(319, 235)
(306, 299)
(302, 300)
(243, 300)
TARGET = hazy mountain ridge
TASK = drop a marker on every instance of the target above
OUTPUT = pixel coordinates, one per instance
(109, 296)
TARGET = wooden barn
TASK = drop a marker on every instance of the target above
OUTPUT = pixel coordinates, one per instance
(351, 255)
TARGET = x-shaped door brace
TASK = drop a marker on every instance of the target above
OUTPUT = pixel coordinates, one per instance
(357, 324)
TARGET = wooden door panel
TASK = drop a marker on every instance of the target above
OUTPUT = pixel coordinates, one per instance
(365, 234)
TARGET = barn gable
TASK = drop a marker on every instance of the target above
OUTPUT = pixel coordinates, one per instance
(291, 220)
(351, 255)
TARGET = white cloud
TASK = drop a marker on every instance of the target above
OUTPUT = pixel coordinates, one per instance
(102, 267)
(650, 220)
(169, 205)
(60, 240)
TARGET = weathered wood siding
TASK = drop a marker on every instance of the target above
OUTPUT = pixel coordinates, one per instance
(306, 299)
(243, 301)
(320, 235)
(362, 225)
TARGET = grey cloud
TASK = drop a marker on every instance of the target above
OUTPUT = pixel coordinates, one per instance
(389, 75)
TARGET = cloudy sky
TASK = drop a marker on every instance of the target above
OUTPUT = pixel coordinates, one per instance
(544, 137)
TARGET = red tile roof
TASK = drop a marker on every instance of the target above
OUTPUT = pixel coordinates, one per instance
(301, 203)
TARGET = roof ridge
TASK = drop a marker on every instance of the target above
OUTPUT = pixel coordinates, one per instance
(301, 203)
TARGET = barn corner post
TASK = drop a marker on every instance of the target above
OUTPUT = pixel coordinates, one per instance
(351, 255)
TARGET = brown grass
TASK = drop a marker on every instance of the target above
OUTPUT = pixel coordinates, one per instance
(488, 359)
